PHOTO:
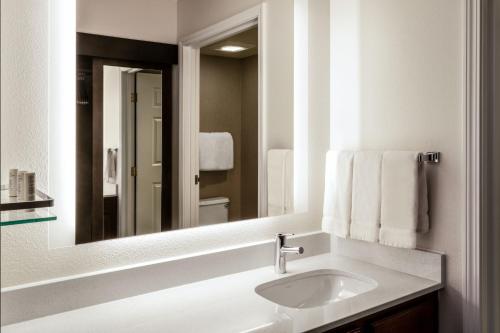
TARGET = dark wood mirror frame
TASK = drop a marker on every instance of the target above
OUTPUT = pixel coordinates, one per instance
(93, 53)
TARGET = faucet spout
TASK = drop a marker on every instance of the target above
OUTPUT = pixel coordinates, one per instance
(294, 250)
(280, 253)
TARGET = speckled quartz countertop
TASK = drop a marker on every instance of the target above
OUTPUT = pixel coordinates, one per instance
(230, 304)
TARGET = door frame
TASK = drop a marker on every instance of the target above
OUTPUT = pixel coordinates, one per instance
(127, 156)
(189, 106)
(480, 286)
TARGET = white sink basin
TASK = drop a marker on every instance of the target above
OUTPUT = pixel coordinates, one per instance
(315, 288)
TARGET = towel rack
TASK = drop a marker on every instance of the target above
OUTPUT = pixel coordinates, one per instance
(429, 157)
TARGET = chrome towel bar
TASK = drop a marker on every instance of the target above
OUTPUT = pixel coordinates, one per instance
(429, 157)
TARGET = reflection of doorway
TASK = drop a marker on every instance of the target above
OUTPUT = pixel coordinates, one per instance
(189, 193)
(95, 52)
(228, 110)
(148, 152)
(133, 149)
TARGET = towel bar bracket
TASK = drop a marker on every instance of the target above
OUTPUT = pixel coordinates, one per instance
(429, 157)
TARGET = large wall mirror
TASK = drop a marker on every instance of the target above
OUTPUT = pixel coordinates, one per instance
(166, 115)
(184, 115)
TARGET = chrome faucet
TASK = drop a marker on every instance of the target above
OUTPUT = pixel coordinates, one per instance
(280, 253)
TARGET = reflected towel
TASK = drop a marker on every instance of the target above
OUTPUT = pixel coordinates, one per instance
(279, 182)
(111, 165)
(216, 151)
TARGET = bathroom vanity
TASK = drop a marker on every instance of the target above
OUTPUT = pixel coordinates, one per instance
(415, 316)
(347, 295)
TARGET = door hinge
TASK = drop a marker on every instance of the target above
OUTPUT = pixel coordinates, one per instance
(133, 97)
(196, 179)
(133, 171)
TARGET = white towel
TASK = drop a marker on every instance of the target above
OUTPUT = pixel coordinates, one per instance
(279, 182)
(404, 199)
(111, 165)
(338, 193)
(216, 151)
(365, 221)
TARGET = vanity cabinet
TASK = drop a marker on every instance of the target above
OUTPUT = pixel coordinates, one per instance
(419, 315)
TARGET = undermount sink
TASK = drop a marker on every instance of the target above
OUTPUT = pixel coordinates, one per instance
(315, 288)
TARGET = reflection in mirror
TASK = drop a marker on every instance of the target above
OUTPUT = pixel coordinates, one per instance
(132, 142)
(141, 167)
(229, 129)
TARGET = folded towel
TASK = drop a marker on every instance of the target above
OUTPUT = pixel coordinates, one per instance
(279, 182)
(338, 193)
(403, 200)
(365, 220)
(111, 165)
(216, 151)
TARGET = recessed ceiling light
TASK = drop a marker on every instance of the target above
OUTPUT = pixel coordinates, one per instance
(232, 48)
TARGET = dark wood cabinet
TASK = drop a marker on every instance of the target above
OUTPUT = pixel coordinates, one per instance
(110, 217)
(419, 315)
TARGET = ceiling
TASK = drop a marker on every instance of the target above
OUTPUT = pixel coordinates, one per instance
(248, 38)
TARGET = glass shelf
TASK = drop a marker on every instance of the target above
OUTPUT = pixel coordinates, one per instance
(13, 217)
(13, 203)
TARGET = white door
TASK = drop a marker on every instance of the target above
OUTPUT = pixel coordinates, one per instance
(148, 153)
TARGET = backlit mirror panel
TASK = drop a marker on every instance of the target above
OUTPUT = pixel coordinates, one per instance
(163, 143)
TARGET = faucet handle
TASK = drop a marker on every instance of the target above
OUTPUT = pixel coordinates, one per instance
(281, 238)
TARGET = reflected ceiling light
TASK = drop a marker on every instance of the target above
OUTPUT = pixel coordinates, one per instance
(232, 48)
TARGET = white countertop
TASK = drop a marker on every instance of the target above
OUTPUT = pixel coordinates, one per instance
(230, 304)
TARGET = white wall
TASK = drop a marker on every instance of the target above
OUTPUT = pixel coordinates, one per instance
(150, 20)
(398, 83)
(319, 96)
(24, 89)
(26, 256)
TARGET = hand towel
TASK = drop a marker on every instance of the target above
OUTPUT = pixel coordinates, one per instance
(279, 182)
(423, 201)
(403, 200)
(365, 220)
(216, 151)
(338, 192)
(111, 165)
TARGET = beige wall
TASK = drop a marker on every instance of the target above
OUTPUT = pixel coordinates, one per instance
(228, 103)
(150, 20)
(398, 83)
(220, 111)
(249, 137)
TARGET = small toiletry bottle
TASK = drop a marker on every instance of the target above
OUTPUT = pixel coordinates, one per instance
(30, 188)
(13, 183)
(29, 183)
(20, 186)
